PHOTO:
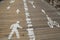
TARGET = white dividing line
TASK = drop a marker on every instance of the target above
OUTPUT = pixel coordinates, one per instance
(29, 22)
(26, 9)
(43, 11)
(17, 11)
(12, 1)
(25, 5)
(27, 14)
(30, 25)
(28, 19)
(8, 7)
(31, 33)
(24, 1)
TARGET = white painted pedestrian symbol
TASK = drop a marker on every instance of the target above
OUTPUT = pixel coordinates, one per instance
(14, 27)
(31, 33)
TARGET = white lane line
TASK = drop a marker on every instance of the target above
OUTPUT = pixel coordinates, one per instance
(30, 25)
(27, 14)
(43, 11)
(29, 22)
(12, 1)
(26, 9)
(17, 11)
(28, 19)
(31, 33)
(25, 5)
(24, 0)
(8, 7)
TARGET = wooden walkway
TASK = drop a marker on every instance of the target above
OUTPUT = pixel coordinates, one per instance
(39, 20)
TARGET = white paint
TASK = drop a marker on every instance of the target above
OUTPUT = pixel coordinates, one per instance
(56, 23)
(34, 6)
(51, 23)
(25, 5)
(32, 2)
(17, 11)
(24, 0)
(31, 33)
(12, 1)
(30, 25)
(43, 11)
(29, 22)
(27, 14)
(28, 19)
(14, 30)
(26, 9)
(8, 7)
